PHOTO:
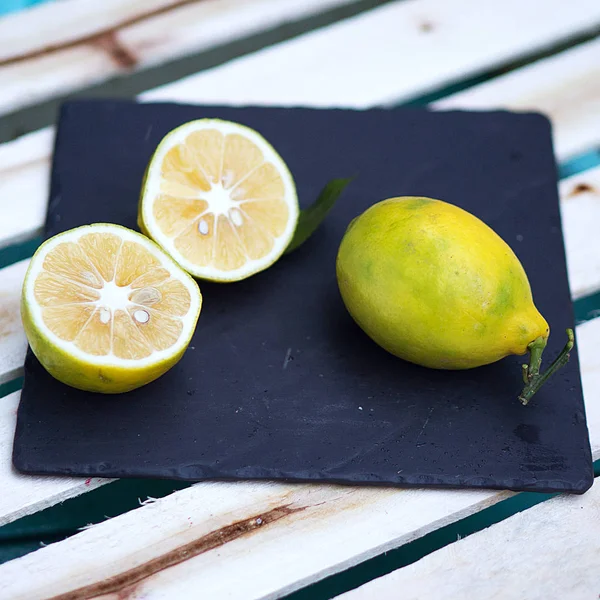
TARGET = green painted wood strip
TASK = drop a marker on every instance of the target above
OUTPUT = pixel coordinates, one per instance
(579, 164)
(9, 387)
(587, 308)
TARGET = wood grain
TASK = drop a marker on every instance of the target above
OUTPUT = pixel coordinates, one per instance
(565, 87)
(390, 54)
(318, 529)
(82, 42)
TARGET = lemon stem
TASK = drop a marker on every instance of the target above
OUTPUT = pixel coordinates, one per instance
(531, 372)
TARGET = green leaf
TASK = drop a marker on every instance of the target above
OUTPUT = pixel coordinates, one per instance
(311, 217)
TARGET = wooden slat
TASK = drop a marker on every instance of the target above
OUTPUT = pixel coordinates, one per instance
(548, 552)
(580, 207)
(25, 163)
(588, 339)
(391, 54)
(80, 42)
(24, 177)
(24, 495)
(275, 537)
(566, 87)
(13, 343)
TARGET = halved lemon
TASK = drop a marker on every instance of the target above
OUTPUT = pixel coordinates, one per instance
(106, 310)
(219, 199)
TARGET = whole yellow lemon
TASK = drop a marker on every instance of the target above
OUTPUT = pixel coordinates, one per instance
(434, 285)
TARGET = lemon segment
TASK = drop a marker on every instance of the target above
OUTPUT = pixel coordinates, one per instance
(219, 199)
(105, 310)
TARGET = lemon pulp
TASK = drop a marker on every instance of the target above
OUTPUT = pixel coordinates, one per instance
(219, 199)
(105, 309)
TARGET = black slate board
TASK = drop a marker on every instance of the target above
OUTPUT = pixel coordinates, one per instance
(279, 383)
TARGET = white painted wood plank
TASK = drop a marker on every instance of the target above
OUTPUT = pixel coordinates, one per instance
(588, 340)
(566, 87)
(24, 495)
(24, 177)
(548, 552)
(80, 42)
(390, 54)
(13, 343)
(25, 163)
(208, 23)
(78, 19)
(580, 208)
(275, 537)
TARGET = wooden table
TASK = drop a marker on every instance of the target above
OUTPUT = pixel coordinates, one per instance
(267, 540)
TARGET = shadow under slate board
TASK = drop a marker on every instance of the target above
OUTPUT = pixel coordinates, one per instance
(278, 382)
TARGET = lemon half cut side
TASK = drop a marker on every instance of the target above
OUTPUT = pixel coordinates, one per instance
(219, 199)
(106, 310)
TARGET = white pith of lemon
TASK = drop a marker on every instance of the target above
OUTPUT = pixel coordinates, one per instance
(105, 309)
(219, 199)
